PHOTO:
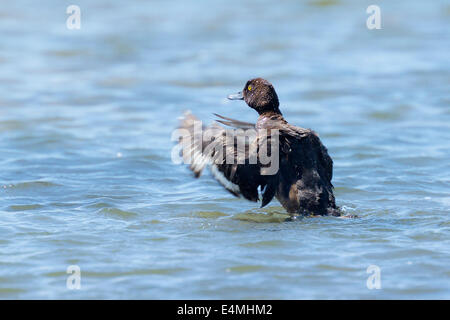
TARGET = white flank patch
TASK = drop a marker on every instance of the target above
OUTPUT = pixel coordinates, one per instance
(223, 180)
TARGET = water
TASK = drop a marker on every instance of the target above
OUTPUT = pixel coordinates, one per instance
(87, 179)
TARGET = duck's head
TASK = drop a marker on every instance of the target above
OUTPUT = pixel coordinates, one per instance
(260, 95)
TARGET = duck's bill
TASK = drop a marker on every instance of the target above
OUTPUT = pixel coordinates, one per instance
(236, 96)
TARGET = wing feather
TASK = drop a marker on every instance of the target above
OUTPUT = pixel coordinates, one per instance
(214, 147)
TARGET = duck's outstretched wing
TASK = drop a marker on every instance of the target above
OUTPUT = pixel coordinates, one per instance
(229, 154)
(235, 123)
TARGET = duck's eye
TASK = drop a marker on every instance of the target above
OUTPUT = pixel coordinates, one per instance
(249, 88)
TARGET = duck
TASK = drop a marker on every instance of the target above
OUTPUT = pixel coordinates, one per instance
(300, 169)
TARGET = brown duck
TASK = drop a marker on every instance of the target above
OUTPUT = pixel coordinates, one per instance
(302, 179)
